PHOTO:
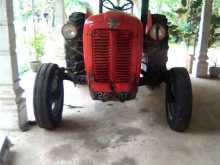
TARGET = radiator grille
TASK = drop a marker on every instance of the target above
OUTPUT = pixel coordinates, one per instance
(123, 55)
(101, 61)
(103, 53)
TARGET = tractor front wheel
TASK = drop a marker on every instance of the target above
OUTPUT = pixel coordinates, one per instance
(178, 99)
(48, 96)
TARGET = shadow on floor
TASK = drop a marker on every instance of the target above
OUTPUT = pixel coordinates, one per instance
(206, 107)
(205, 116)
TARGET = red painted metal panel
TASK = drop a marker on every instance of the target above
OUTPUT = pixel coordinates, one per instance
(112, 52)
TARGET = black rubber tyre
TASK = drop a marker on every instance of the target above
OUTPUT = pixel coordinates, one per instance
(178, 99)
(48, 96)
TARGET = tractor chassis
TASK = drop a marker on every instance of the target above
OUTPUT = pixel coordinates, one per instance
(75, 78)
(81, 78)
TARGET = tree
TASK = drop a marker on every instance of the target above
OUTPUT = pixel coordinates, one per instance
(186, 28)
(71, 5)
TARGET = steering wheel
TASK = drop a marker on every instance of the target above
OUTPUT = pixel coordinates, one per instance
(127, 6)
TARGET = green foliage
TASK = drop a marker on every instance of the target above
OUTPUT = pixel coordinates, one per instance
(23, 69)
(38, 44)
(79, 3)
(186, 27)
(26, 15)
(184, 2)
(184, 20)
(165, 7)
(189, 19)
(181, 11)
(214, 30)
(24, 10)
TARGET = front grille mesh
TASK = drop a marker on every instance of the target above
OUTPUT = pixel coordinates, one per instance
(122, 59)
(120, 54)
(101, 59)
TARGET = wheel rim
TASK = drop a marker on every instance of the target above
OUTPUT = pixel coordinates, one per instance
(55, 95)
(171, 104)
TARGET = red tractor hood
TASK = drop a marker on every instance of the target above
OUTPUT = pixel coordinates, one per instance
(112, 45)
(122, 20)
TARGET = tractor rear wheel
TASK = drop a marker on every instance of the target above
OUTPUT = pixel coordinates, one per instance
(48, 96)
(178, 99)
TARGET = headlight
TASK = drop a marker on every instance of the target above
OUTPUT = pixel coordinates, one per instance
(69, 31)
(158, 32)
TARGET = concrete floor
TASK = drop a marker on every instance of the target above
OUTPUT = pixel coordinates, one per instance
(131, 133)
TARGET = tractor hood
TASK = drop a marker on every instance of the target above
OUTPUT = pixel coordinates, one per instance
(112, 44)
(113, 20)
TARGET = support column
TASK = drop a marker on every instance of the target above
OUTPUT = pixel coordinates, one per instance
(59, 13)
(12, 105)
(204, 31)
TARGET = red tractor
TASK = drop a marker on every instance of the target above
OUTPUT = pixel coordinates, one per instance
(114, 53)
